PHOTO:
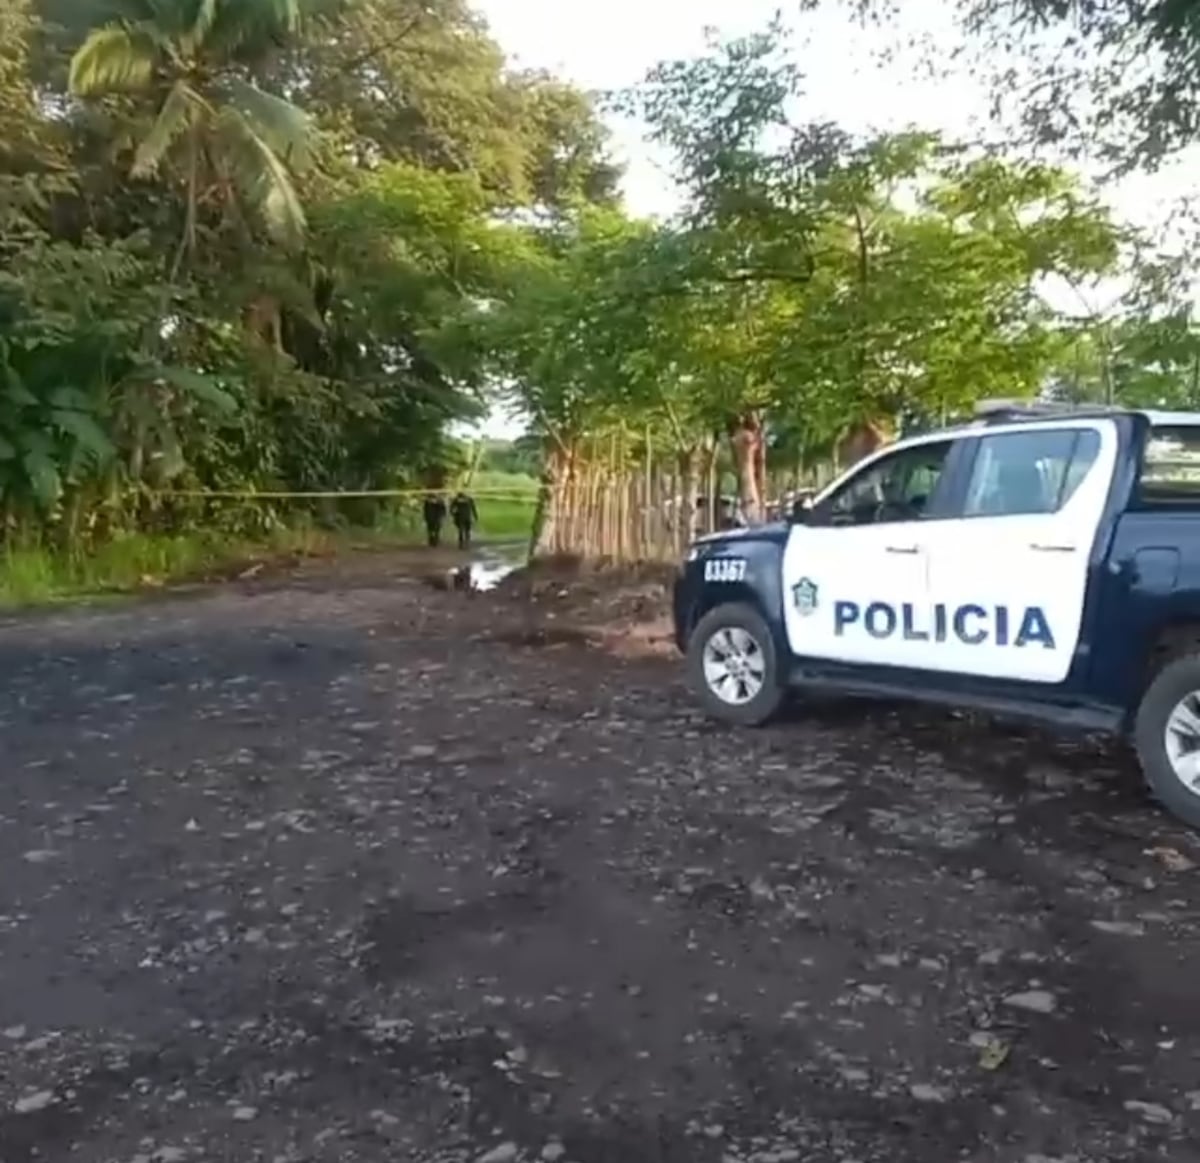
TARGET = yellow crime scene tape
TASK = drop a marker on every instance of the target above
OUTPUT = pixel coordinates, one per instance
(493, 494)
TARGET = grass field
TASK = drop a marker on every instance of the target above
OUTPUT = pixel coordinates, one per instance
(508, 513)
(507, 482)
(505, 519)
(506, 503)
(32, 573)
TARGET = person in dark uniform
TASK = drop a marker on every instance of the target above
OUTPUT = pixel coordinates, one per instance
(434, 511)
(465, 517)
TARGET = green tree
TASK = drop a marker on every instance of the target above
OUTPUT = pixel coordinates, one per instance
(29, 149)
(835, 307)
(814, 290)
(1120, 77)
(421, 81)
(232, 143)
(1140, 363)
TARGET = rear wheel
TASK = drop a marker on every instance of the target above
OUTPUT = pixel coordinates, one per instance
(733, 666)
(1167, 737)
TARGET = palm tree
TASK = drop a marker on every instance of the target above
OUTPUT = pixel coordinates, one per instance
(232, 142)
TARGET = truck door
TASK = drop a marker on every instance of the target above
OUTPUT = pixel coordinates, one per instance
(1008, 577)
(855, 578)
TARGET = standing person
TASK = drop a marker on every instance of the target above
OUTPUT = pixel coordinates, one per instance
(464, 515)
(435, 515)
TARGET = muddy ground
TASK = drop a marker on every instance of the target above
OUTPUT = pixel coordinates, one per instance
(337, 866)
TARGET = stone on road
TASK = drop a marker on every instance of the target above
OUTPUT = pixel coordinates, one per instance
(1037, 1001)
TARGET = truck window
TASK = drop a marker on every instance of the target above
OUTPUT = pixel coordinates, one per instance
(1171, 465)
(1029, 472)
(897, 487)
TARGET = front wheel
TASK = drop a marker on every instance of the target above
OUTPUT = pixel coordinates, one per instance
(732, 666)
(1167, 737)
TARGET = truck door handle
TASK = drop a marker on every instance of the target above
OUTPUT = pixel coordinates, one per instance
(909, 549)
(1051, 548)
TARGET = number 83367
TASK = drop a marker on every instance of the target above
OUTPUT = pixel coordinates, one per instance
(724, 569)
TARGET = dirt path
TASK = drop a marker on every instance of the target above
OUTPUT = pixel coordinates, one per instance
(348, 869)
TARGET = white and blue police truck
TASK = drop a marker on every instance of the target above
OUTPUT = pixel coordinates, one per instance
(1041, 562)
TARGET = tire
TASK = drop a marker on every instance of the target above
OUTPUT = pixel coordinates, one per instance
(741, 619)
(1174, 683)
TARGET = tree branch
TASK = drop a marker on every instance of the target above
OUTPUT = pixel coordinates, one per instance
(747, 276)
(370, 54)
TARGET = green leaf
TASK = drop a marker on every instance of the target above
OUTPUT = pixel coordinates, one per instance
(89, 435)
(179, 111)
(44, 479)
(200, 386)
(252, 26)
(7, 450)
(261, 173)
(17, 393)
(284, 127)
(206, 16)
(70, 398)
(35, 440)
(114, 59)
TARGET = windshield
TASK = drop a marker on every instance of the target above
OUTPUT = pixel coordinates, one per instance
(1171, 464)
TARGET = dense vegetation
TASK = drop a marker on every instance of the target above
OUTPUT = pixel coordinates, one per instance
(234, 236)
(1115, 79)
(292, 245)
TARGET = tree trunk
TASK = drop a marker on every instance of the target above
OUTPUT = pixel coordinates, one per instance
(588, 536)
(686, 521)
(264, 319)
(546, 517)
(708, 485)
(861, 440)
(746, 442)
(660, 509)
(648, 499)
(760, 473)
(187, 243)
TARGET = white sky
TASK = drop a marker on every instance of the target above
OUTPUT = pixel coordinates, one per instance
(613, 44)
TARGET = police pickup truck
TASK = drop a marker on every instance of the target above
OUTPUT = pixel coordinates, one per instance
(1042, 562)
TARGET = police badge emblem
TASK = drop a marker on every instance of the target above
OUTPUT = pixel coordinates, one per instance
(804, 597)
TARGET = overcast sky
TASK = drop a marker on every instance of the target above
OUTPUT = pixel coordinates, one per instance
(612, 44)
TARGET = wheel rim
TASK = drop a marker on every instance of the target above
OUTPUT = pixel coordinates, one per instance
(1182, 738)
(735, 667)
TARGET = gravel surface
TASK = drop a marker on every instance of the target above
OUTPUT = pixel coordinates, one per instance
(340, 868)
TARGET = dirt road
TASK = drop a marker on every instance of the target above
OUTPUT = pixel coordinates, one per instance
(347, 869)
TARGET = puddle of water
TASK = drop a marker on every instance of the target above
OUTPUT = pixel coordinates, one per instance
(488, 570)
(486, 575)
